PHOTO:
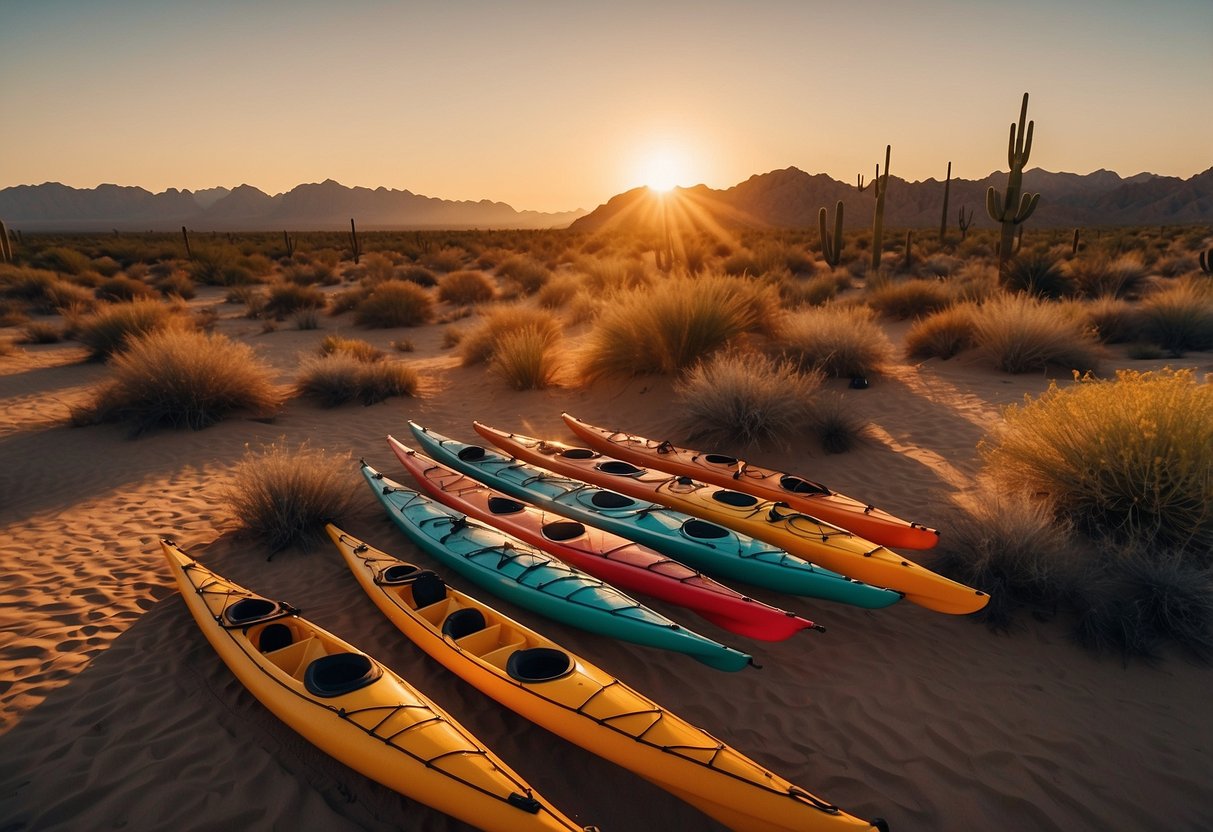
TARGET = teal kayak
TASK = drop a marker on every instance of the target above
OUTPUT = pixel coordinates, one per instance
(530, 578)
(695, 542)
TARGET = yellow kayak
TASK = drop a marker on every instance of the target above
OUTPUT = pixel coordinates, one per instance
(564, 693)
(355, 709)
(768, 520)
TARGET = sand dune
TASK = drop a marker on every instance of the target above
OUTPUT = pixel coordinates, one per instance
(115, 712)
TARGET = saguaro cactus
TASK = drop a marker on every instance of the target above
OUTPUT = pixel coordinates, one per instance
(880, 185)
(354, 247)
(6, 248)
(964, 223)
(1014, 208)
(185, 235)
(831, 245)
(943, 221)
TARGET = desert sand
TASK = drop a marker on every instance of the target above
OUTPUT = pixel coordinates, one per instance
(116, 713)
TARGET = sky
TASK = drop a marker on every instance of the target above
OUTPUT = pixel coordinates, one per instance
(555, 106)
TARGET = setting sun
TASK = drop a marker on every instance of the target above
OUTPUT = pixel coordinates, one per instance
(663, 170)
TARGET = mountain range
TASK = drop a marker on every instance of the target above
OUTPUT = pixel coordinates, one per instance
(791, 198)
(788, 198)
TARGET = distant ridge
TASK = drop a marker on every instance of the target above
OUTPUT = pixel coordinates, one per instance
(791, 198)
(323, 206)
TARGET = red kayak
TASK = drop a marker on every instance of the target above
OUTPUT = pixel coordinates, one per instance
(800, 494)
(608, 556)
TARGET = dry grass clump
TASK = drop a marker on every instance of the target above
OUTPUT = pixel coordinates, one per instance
(1139, 601)
(1129, 459)
(310, 274)
(419, 275)
(1014, 549)
(524, 273)
(841, 341)
(909, 298)
(466, 287)
(120, 288)
(220, 266)
(527, 358)
(943, 334)
(40, 332)
(976, 281)
(445, 259)
(1020, 333)
(394, 303)
(283, 298)
(112, 328)
(1102, 277)
(362, 350)
(1113, 320)
(812, 291)
(1037, 274)
(177, 377)
(673, 324)
(559, 291)
(836, 423)
(175, 284)
(603, 274)
(7, 347)
(341, 377)
(281, 497)
(745, 397)
(62, 259)
(43, 292)
(1180, 317)
(479, 344)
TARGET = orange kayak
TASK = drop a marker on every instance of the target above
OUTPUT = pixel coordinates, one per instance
(801, 494)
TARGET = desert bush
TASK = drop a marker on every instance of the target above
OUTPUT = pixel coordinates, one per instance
(479, 344)
(1177, 265)
(1013, 548)
(606, 273)
(282, 496)
(40, 332)
(1098, 276)
(976, 282)
(394, 303)
(527, 358)
(1036, 274)
(310, 274)
(1113, 320)
(767, 257)
(1129, 459)
(419, 275)
(837, 425)
(176, 284)
(745, 397)
(112, 328)
(43, 292)
(8, 347)
(283, 299)
(1138, 601)
(558, 291)
(528, 274)
(306, 319)
(673, 324)
(940, 265)
(841, 341)
(107, 266)
(122, 288)
(1180, 317)
(812, 291)
(219, 266)
(943, 334)
(445, 259)
(376, 267)
(359, 349)
(176, 377)
(62, 259)
(1020, 333)
(465, 288)
(909, 298)
(340, 377)
(12, 313)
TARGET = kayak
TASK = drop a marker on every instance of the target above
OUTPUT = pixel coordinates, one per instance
(528, 577)
(774, 522)
(355, 709)
(800, 493)
(690, 540)
(615, 559)
(562, 692)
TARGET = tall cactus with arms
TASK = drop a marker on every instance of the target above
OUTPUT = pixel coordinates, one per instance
(1005, 210)
(831, 246)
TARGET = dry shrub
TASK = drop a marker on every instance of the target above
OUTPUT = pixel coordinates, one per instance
(7, 347)
(1129, 459)
(673, 324)
(479, 345)
(341, 377)
(121, 288)
(375, 267)
(394, 303)
(813, 291)
(359, 349)
(1113, 320)
(976, 282)
(112, 328)
(527, 358)
(944, 334)
(1037, 274)
(283, 299)
(419, 275)
(40, 332)
(1180, 317)
(42, 292)
(1014, 549)
(745, 397)
(526, 273)
(445, 259)
(841, 341)
(838, 426)
(1102, 277)
(176, 377)
(219, 266)
(1137, 601)
(1020, 333)
(603, 274)
(466, 288)
(281, 497)
(558, 291)
(910, 298)
(62, 259)
(176, 284)
(310, 274)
